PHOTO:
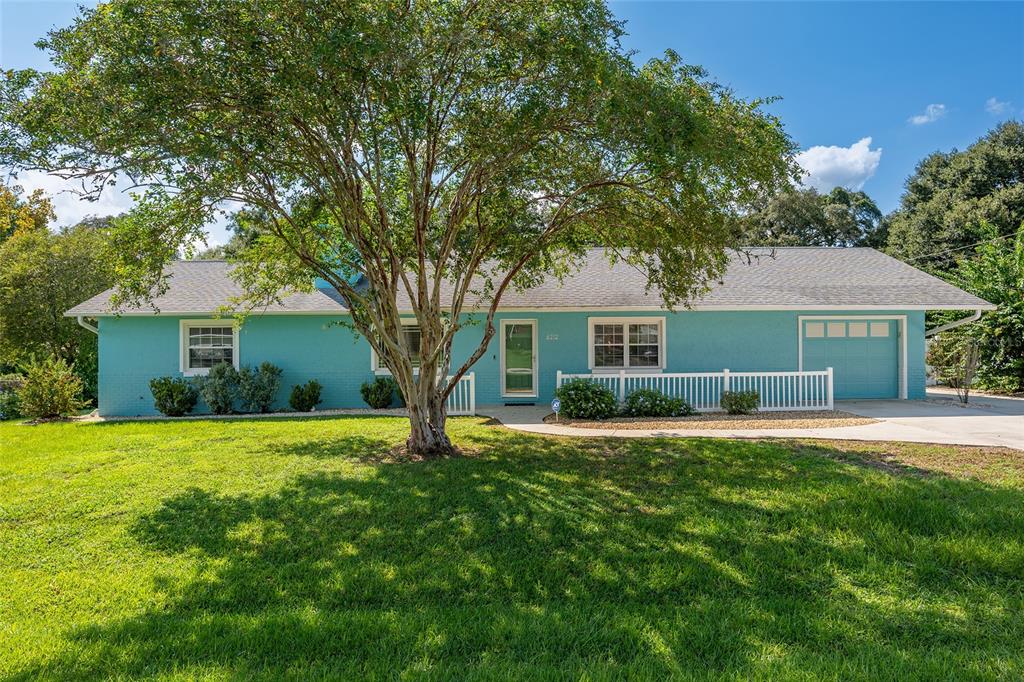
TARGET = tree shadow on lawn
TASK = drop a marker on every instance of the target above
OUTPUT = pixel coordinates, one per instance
(546, 556)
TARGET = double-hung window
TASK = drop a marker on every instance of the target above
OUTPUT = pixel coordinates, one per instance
(627, 343)
(205, 343)
(411, 336)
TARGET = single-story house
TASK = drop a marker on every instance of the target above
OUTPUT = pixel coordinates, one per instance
(777, 323)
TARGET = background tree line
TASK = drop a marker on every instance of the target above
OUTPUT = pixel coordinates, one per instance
(960, 218)
(43, 272)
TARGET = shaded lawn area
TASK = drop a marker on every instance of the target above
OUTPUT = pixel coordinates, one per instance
(299, 548)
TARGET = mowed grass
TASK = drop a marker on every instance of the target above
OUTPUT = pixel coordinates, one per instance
(301, 549)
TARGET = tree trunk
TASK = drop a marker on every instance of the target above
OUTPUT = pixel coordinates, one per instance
(427, 437)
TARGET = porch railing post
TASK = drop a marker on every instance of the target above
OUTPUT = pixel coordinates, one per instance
(622, 385)
(829, 382)
(725, 380)
(472, 393)
(558, 379)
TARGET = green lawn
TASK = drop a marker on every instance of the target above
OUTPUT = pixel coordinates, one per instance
(302, 549)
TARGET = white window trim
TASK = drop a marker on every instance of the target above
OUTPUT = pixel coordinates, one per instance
(378, 367)
(901, 331)
(662, 350)
(183, 327)
(501, 366)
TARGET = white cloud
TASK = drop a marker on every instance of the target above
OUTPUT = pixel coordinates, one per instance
(69, 207)
(830, 167)
(994, 106)
(932, 113)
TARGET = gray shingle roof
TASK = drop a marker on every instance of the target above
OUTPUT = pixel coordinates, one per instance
(783, 278)
(203, 286)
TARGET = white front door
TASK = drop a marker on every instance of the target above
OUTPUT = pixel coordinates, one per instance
(519, 358)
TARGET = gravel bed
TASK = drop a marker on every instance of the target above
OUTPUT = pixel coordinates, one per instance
(722, 421)
(353, 412)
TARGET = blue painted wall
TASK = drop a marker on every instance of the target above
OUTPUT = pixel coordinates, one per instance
(135, 349)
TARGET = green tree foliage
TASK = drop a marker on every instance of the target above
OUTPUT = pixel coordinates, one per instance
(951, 195)
(245, 229)
(996, 274)
(954, 357)
(804, 217)
(43, 274)
(475, 145)
(20, 215)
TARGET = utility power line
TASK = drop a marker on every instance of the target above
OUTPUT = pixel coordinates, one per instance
(959, 248)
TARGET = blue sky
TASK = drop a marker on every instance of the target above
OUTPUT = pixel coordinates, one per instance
(913, 77)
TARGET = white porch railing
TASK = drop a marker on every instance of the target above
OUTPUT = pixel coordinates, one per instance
(703, 390)
(462, 399)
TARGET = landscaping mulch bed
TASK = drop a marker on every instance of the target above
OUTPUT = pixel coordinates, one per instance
(721, 421)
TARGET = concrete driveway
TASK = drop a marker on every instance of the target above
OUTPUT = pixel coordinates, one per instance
(939, 419)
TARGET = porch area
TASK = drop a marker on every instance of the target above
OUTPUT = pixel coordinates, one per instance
(777, 391)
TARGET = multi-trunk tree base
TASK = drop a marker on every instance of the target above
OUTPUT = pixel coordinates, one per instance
(427, 436)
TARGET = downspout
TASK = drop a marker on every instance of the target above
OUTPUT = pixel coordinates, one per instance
(91, 327)
(951, 325)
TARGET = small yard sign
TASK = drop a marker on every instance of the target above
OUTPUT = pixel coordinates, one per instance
(556, 405)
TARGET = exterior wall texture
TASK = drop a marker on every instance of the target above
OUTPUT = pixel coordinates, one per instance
(135, 349)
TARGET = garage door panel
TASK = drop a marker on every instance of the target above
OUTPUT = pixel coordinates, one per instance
(863, 355)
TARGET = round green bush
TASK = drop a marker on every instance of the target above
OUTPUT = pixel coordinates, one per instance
(646, 402)
(740, 402)
(379, 393)
(10, 384)
(173, 396)
(219, 388)
(9, 407)
(583, 399)
(257, 386)
(305, 396)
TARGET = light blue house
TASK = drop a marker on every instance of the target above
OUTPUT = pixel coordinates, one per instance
(776, 323)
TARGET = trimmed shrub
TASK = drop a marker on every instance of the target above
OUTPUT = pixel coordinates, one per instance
(9, 406)
(740, 402)
(51, 389)
(998, 384)
(305, 397)
(219, 388)
(379, 393)
(173, 396)
(9, 386)
(582, 399)
(257, 387)
(646, 402)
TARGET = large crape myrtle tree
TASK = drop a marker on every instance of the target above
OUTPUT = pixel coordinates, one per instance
(421, 157)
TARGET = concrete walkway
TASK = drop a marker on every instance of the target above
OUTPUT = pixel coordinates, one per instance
(939, 419)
